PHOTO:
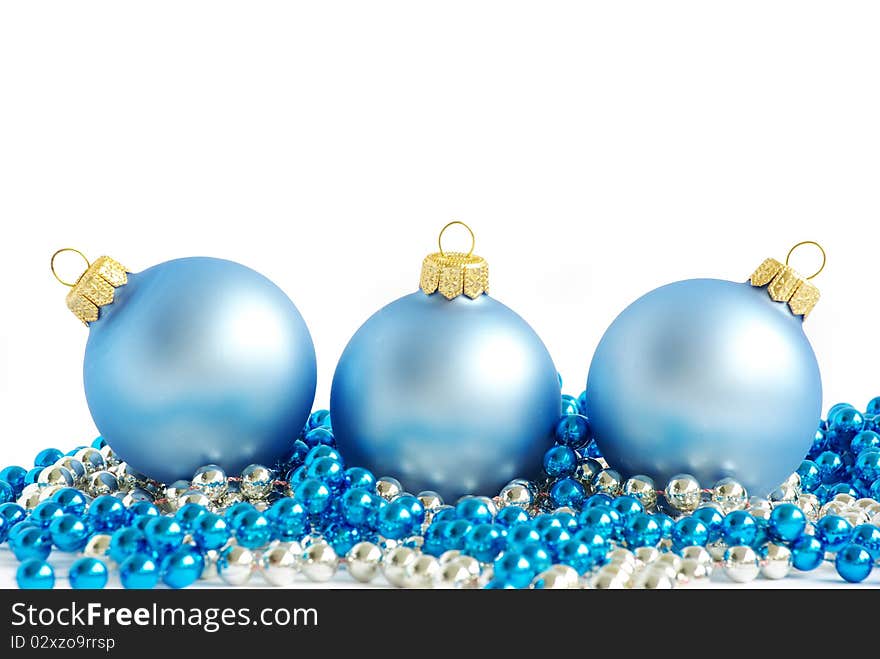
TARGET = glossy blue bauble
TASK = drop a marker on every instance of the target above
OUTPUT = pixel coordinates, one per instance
(457, 396)
(707, 377)
(199, 361)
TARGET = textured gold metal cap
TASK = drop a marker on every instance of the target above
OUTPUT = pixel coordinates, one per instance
(95, 287)
(784, 284)
(454, 273)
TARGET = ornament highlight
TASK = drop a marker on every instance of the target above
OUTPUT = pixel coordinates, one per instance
(191, 362)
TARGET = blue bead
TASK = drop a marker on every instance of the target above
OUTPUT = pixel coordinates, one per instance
(455, 533)
(12, 513)
(163, 534)
(867, 536)
(810, 476)
(360, 477)
(820, 442)
(343, 537)
(434, 542)
(72, 500)
(87, 574)
(552, 529)
(69, 533)
(106, 513)
(182, 567)
(688, 532)
(515, 569)
(6, 492)
(125, 542)
(35, 574)
(834, 532)
(47, 457)
(288, 520)
(868, 465)
(314, 495)
(873, 406)
(32, 475)
(627, 505)
(98, 443)
(598, 500)
(298, 452)
(32, 542)
(15, 476)
(560, 461)
(787, 523)
(140, 522)
(320, 419)
(444, 514)
(211, 531)
(252, 529)
(582, 403)
(567, 492)
(396, 521)
(846, 421)
(139, 508)
(473, 509)
(713, 520)
(484, 542)
(538, 556)
(853, 563)
(328, 471)
(520, 535)
(807, 553)
(360, 507)
(874, 491)
(600, 519)
(673, 388)
(415, 508)
(187, 515)
(319, 437)
(46, 512)
(322, 451)
(576, 554)
(837, 406)
(642, 530)
(830, 467)
(139, 571)
(236, 509)
(511, 515)
(666, 523)
(597, 544)
(842, 488)
(863, 441)
(573, 430)
(498, 584)
(570, 405)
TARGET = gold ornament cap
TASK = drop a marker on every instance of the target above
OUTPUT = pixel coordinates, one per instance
(784, 284)
(454, 273)
(95, 287)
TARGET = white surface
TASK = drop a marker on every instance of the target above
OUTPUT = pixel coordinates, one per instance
(598, 150)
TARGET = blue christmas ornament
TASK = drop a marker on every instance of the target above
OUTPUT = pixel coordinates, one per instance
(446, 388)
(191, 362)
(710, 377)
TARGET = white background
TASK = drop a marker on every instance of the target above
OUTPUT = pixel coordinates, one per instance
(597, 149)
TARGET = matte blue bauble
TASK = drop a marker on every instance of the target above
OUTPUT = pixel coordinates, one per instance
(457, 396)
(199, 361)
(707, 377)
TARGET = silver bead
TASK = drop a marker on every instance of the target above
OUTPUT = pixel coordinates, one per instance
(669, 559)
(556, 579)
(449, 556)
(459, 573)
(319, 561)
(422, 572)
(430, 500)
(388, 488)
(855, 517)
(868, 505)
(741, 564)
(193, 496)
(102, 482)
(281, 563)
(586, 471)
(97, 546)
(716, 550)
(683, 493)
(110, 458)
(74, 466)
(395, 563)
(645, 555)
(654, 577)
(256, 482)
(691, 569)
(176, 489)
(785, 493)
(776, 562)
(730, 494)
(699, 554)
(875, 520)
(211, 481)
(621, 555)
(55, 475)
(809, 503)
(363, 561)
(124, 476)
(230, 499)
(235, 565)
(471, 564)
(135, 495)
(832, 508)
(30, 496)
(844, 498)
(607, 481)
(210, 570)
(642, 488)
(609, 577)
(516, 494)
(91, 459)
(760, 508)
